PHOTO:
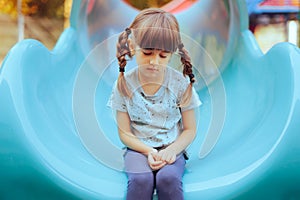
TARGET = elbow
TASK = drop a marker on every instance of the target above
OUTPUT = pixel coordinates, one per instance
(122, 136)
(193, 133)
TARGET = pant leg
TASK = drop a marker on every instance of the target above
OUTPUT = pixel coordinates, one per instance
(169, 180)
(140, 176)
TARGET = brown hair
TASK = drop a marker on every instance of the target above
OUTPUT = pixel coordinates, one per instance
(156, 29)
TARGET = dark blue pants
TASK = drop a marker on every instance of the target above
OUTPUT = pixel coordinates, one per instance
(142, 179)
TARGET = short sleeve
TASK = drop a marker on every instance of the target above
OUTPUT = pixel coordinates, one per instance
(194, 102)
(116, 100)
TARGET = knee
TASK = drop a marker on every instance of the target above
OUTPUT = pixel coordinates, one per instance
(141, 180)
(168, 179)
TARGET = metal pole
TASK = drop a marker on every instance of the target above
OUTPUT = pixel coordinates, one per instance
(20, 21)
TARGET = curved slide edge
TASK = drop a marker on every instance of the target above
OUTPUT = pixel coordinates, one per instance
(37, 173)
(36, 177)
(260, 128)
(281, 176)
(24, 173)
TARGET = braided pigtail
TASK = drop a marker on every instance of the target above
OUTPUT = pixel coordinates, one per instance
(187, 70)
(123, 51)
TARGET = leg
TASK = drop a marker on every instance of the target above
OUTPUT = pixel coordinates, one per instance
(140, 176)
(169, 180)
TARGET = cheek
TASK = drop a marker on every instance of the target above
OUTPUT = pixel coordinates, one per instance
(141, 60)
(165, 61)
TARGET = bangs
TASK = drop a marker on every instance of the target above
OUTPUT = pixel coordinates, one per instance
(157, 38)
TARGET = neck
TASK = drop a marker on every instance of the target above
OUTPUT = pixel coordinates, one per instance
(151, 85)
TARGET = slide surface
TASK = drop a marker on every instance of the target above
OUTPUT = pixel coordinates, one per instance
(58, 139)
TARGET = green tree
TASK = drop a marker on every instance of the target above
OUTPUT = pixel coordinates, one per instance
(49, 8)
(142, 4)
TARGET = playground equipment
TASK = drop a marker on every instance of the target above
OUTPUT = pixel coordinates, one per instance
(56, 131)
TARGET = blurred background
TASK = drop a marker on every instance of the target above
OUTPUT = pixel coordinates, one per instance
(271, 21)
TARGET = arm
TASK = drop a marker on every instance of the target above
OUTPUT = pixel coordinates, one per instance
(131, 141)
(127, 137)
(184, 140)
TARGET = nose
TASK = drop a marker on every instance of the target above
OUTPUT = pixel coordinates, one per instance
(154, 60)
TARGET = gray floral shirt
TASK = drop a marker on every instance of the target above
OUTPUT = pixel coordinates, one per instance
(155, 119)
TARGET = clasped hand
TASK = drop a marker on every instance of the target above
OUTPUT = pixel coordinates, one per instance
(159, 159)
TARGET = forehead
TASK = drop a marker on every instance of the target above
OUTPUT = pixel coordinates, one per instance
(157, 38)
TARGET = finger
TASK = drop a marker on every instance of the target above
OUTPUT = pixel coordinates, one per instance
(150, 158)
(161, 165)
(171, 160)
(157, 167)
(153, 162)
(162, 155)
(157, 163)
(166, 156)
(156, 156)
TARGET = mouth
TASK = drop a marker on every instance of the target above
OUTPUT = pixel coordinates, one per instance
(152, 69)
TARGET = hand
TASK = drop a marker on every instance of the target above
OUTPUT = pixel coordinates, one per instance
(154, 162)
(168, 155)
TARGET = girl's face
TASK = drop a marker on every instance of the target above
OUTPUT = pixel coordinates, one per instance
(152, 62)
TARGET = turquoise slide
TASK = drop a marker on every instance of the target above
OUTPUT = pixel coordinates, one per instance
(58, 139)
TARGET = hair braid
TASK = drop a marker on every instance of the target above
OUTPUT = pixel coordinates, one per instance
(123, 50)
(186, 61)
(187, 70)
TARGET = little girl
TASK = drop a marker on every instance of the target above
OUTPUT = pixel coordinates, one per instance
(154, 106)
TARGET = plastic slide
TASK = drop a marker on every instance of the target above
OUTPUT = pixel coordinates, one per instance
(58, 139)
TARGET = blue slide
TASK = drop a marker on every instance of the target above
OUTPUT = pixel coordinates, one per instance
(58, 139)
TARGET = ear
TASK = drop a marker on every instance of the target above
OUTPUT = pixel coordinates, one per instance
(131, 46)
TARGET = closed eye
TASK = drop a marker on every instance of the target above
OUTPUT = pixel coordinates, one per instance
(147, 53)
(163, 56)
